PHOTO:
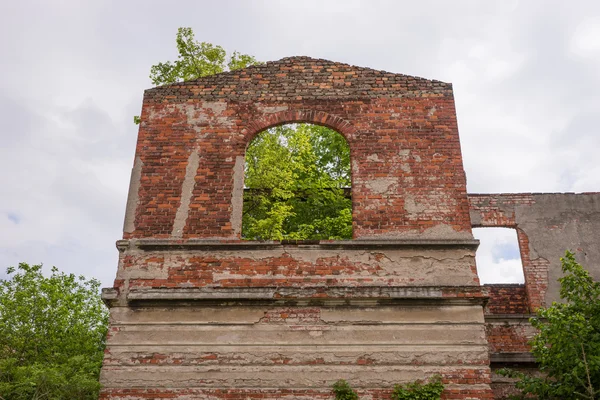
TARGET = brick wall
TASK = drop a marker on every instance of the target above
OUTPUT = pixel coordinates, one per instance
(407, 173)
(509, 336)
(284, 394)
(506, 299)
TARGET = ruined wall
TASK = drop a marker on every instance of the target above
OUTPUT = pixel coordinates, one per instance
(198, 313)
(547, 224)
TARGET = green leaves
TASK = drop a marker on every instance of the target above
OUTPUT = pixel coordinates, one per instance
(195, 60)
(343, 391)
(417, 390)
(75, 379)
(52, 335)
(567, 346)
(239, 61)
(296, 185)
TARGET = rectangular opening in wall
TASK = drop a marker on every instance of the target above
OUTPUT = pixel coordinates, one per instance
(498, 256)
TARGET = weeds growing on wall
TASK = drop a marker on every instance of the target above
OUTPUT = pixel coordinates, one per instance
(417, 390)
(343, 391)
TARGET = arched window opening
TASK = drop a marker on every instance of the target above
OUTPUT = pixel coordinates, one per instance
(297, 185)
(498, 257)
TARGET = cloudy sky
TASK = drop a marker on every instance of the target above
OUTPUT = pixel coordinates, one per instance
(526, 78)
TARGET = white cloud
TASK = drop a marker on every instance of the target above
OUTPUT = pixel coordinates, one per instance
(585, 42)
(498, 259)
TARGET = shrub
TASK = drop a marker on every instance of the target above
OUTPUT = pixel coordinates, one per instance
(343, 391)
(419, 391)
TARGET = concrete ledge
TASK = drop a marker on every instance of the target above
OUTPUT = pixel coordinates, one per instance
(287, 292)
(359, 244)
(335, 296)
(109, 294)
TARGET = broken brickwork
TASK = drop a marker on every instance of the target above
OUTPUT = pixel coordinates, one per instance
(547, 224)
(196, 312)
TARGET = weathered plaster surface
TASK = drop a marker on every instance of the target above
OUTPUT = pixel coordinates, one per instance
(254, 346)
(237, 196)
(186, 194)
(133, 196)
(559, 222)
(289, 266)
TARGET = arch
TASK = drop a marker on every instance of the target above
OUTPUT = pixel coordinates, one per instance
(331, 124)
(322, 118)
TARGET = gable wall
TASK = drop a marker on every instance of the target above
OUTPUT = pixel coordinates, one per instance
(408, 178)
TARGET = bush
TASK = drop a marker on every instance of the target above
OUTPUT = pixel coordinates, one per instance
(419, 391)
(411, 391)
(343, 391)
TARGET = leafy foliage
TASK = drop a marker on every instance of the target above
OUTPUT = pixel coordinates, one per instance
(419, 391)
(567, 346)
(296, 177)
(195, 60)
(343, 391)
(411, 391)
(52, 335)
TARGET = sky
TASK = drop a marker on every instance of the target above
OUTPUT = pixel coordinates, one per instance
(526, 77)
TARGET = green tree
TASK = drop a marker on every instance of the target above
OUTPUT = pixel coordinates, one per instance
(52, 335)
(567, 346)
(195, 60)
(296, 179)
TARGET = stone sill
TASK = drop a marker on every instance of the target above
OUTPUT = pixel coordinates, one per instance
(226, 245)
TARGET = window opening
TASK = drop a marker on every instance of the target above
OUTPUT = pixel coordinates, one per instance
(297, 185)
(498, 256)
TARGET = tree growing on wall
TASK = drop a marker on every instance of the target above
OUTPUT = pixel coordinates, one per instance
(567, 346)
(195, 60)
(297, 176)
(52, 335)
